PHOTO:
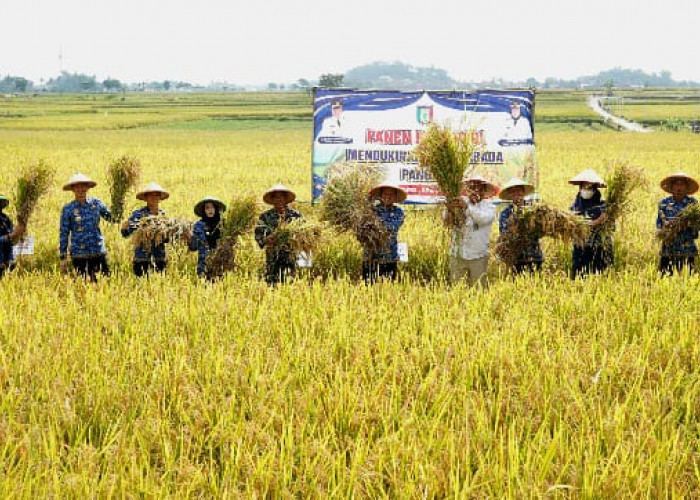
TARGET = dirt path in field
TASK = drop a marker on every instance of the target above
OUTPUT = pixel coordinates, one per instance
(594, 102)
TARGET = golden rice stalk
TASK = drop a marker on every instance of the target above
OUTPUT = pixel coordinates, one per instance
(538, 221)
(123, 174)
(688, 218)
(156, 229)
(32, 184)
(347, 206)
(446, 155)
(621, 182)
(296, 236)
(238, 219)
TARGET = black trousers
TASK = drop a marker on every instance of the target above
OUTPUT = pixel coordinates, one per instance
(591, 259)
(373, 271)
(142, 268)
(88, 267)
(669, 265)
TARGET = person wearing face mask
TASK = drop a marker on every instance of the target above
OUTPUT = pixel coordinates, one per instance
(596, 254)
(679, 253)
(279, 263)
(206, 232)
(531, 258)
(383, 263)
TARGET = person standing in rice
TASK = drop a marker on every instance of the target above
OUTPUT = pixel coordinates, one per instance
(279, 262)
(151, 257)
(80, 230)
(596, 255)
(515, 191)
(206, 232)
(9, 235)
(383, 263)
(469, 244)
(679, 253)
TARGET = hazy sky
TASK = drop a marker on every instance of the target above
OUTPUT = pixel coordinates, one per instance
(260, 41)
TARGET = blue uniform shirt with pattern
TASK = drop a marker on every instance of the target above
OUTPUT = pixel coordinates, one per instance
(392, 218)
(533, 252)
(80, 223)
(6, 228)
(200, 244)
(684, 244)
(144, 253)
(591, 210)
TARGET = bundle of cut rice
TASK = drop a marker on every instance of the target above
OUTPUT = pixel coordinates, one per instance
(238, 219)
(622, 181)
(346, 204)
(32, 184)
(688, 218)
(124, 173)
(296, 236)
(446, 155)
(156, 229)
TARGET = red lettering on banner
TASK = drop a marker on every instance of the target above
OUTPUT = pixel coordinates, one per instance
(389, 137)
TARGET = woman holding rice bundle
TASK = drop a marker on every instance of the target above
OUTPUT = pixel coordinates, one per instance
(680, 252)
(80, 223)
(9, 235)
(206, 232)
(469, 243)
(279, 262)
(383, 262)
(596, 254)
(151, 256)
(531, 257)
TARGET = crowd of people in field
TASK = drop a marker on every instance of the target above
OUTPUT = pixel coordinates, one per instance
(81, 241)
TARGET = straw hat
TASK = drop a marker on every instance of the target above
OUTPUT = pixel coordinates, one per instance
(667, 181)
(279, 188)
(376, 191)
(199, 207)
(79, 179)
(152, 188)
(506, 192)
(491, 189)
(3, 202)
(589, 176)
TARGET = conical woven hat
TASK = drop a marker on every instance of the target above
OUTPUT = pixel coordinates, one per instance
(152, 188)
(667, 181)
(78, 179)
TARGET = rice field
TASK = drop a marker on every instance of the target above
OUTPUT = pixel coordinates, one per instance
(170, 387)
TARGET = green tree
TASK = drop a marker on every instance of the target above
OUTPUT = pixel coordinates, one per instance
(331, 80)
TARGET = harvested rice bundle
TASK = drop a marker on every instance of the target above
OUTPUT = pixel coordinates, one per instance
(446, 155)
(622, 181)
(33, 183)
(688, 218)
(347, 206)
(238, 219)
(156, 229)
(538, 221)
(124, 173)
(296, 236)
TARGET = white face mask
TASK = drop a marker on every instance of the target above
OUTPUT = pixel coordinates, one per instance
(586, 194)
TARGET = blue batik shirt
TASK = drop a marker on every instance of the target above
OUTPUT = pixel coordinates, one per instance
(6, 228)
(144, 253)
(684, 244)
(392, 218)
(533, 252)
(591, 210)
(200, 244)
(80, 223)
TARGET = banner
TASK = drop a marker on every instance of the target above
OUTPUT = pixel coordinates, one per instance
(383, 127)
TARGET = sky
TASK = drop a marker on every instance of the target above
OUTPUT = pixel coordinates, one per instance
(260, 41)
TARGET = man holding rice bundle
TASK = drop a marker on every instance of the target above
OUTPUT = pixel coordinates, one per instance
(152, 255)
(80, 223)
(680, 251)
(469, 243)
(383, 262)
(531, 257)
(9, 235)
(279, 261)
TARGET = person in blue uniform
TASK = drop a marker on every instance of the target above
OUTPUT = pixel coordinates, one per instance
(383, 263)
(79, 232)
(206, 232)
(147, 257)
(596, 255)
(679, 253)
(515, 191)
(9, 235)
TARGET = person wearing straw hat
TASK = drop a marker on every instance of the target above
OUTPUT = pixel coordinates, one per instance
(515, 191)
(153, 256)
(469, 244)
(206, 232)
(80, 227)
(279, 263)
(9, 235)
(679, 253)
(596, 255)
(383, 262)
